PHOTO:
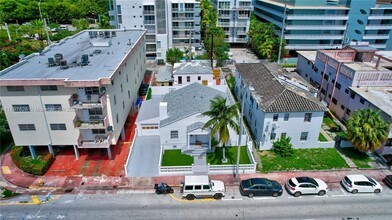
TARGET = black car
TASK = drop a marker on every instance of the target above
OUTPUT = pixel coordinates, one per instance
(260, 187)
(143, 89)
(388, 180)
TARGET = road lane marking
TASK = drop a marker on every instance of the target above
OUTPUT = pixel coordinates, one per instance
(342, 191)
(232, 199)
(264, 198)
(196, 200)
(35, 200)
(6, 170)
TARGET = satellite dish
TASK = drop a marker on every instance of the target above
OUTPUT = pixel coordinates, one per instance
(110, 128)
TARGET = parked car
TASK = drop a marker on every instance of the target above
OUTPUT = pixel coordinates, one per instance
(388, 180)
(143, 89)
(260, 187)
(360, 183)
(306, 185)
(202, 187)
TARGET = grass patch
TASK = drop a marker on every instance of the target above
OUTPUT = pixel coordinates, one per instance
(176, 158)
(23, 160)
(360, 159)
(231, 82)
(322, 138)
(5, 193)
(329, 121)
(149, 94)
(215, 158)
(303, 159)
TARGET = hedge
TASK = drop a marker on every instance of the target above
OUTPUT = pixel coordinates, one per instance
(36, 166)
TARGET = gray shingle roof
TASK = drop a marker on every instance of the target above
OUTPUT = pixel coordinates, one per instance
(165, 74)
(273, 94)
(189, 100)
(194, 67)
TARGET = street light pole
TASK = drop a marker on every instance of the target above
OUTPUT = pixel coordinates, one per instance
(39, 8)
(236, 178)
(282, 32)
(46, 27)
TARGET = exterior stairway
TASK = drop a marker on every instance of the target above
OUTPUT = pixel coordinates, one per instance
(199, 155)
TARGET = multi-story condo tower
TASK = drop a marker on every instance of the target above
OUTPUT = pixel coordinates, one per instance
(169, 23)
(329, 24)
(234, 18)
(77, 93)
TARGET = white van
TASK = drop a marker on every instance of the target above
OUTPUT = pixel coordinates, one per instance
(202, 187)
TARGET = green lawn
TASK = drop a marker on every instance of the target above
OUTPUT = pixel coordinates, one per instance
(231, 82)
(176, 158)
(322, 138)
(303, 159)
(231, 155)
(360, 159)
(5, 193)
(329, 121)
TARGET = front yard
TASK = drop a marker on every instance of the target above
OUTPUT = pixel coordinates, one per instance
(176, 158)
(321, 138)
(331, 124)
(231, 155)
(360, 159)
(302, 159)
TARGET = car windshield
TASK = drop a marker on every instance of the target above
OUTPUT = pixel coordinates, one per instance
(292, 183)
(347, 180)
(371, 180)
(311, 180)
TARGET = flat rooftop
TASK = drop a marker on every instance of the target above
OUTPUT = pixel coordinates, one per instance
(378, 96)
(309, 55)
(365, 66)
(105, 54)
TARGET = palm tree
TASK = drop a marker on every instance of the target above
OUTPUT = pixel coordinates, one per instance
(222, 117)
(366, 130)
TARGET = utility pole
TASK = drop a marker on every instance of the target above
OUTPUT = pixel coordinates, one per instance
(282, 32)
(46, 27)
(190, 44)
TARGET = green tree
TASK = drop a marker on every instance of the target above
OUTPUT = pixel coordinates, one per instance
(3, 124)
(36, 27)
(174, 55)
(104, 22)
(366, 130)
(283, 147)
(222, 117)
(80, 24)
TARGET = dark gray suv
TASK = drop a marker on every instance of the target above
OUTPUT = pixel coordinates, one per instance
(260, 187)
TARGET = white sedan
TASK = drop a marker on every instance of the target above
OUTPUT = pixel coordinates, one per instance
(306, 185)
(360, 183)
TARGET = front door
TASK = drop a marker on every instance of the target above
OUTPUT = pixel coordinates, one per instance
(180, 80)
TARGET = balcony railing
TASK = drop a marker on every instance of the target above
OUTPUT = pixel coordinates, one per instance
(182, 36)
(378, 27)
(149, 21)
(225, 24)
(150, 40)
(316, 17)
(182, 10)
(183, 18)
(93, 101)
(375, 36)
(184, 27)
(312, 46)
(150, 31)
(379, 17)
(100, 141)
(148, 12)
(151, 49)
(314, 36)
(241, 24)
(198, 145)
(316, 27)
(224, 15)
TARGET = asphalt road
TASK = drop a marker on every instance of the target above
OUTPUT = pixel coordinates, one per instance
(337, 204)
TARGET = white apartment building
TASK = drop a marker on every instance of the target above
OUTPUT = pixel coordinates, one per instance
(76, 93)
(169, 23)
(279, 104)
(234, 18)
(199, 71)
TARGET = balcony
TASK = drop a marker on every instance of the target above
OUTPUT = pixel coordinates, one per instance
(224, 15)
(241, 32)
(150, 31)
(270, 11)
(150, 40)
(378, 46)
(240, 40)
(313, 36)
(149, 22)
(317, 17)
(151, 50)
(269, 19)
(312, 46)
(226, 24)
(243, 16)
(380, 17)
(376, 37)
(247, 8)
(182, 36)
(100, 141)
(92, 101)
(315, 27)
(241, 24)
(378, 27)
(183, 10)
(183, 27)
(183, 18)
(148, 12)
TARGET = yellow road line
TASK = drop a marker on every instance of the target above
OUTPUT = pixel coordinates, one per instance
(35, 200)
(6, 169)
(197, 200)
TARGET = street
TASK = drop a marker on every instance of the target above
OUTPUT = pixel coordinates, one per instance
(337, 204)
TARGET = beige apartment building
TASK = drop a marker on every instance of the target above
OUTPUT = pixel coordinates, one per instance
(76, 93)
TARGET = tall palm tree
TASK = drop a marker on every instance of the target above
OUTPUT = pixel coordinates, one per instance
(222, 117)
(366, 130)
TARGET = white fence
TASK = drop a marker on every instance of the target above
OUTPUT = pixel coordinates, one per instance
(230, 169)
(130, 151)
(172, 170)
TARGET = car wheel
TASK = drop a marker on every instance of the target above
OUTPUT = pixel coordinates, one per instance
(321, 193)
(297, 194)
(377, 191)
(275, 195)
(355, 191)
(171, 191)
(250, 195)
(190, 197)
(218, 196)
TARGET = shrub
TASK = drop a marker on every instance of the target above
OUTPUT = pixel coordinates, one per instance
(283, 147)
(36, 166)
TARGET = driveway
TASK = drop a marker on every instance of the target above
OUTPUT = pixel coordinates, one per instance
(144, 158)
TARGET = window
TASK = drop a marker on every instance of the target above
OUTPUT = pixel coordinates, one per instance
(346, 91)
(199, 78)
(304, 136)
(95, 111)
(308, 117)
(338, 86)
(129, 94)
(91, 90)
(188, 78)
(352, 95)
(21, 108)
(121, 88)
(26, 127)
(283, 135)
(388, 142)
(323, 91)
(275, 117)
(58, 127)
(53, 107)
(362, 100)
(173, 134)
(117, 118)
(207, 187)
(123, 105)
(348, 111)
(118, 9)
(334, 101)
(115, 101)
(188, 187)
(286, 117)
(98, 131)
(15, 88)
(197, 187)
(326, 77)
(273, 136)
(48, 88)
(127, 77)
(342, 107)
